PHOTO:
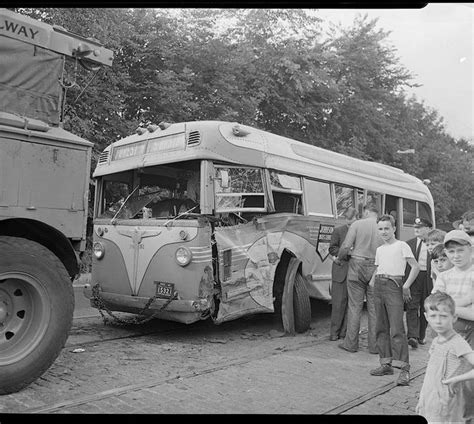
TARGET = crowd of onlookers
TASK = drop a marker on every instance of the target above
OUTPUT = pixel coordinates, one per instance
(422, 286)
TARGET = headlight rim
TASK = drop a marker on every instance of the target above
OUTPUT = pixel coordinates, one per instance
(100, 252)
(189, 256)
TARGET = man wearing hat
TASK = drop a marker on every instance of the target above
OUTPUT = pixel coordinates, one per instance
(416, 322)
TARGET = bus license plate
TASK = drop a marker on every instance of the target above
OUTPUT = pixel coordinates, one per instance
(165, 290)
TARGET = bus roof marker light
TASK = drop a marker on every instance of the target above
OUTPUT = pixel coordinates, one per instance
(238, 131)
(140, 130)
(163, 125)
(152, 128)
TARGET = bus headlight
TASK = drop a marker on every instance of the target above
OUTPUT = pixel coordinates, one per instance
(98, 249)
(183, 256)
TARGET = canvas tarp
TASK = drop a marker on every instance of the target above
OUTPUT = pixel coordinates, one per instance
(29, 81)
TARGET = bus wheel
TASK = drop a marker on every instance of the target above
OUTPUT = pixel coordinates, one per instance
(301, 305)
(36, 310)
(295, 306)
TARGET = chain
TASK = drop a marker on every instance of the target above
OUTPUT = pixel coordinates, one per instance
(99, 303)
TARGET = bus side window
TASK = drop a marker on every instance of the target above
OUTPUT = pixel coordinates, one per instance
(285, 202)
(344, 198)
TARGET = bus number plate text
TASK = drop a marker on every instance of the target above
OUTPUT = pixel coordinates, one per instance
(165, 290)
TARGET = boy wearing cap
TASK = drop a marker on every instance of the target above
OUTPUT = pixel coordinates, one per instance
(416, 325)
(459, 280)
(466, 223)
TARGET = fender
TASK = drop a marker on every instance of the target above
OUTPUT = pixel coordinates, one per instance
(47, 236)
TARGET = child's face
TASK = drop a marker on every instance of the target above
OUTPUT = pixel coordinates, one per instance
(430, 244)
(459, 254)
(441, 320)
(386, 231)
(442, 263)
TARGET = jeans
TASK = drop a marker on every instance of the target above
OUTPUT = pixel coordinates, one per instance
(358, 276)
(391, 337)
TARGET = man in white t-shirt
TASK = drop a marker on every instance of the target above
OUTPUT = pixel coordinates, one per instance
(390, 292)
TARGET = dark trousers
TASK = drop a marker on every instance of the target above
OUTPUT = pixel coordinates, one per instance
(391, 340)
(338, 309)
(414, 308)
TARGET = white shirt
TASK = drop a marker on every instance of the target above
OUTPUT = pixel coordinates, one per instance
(392, 258)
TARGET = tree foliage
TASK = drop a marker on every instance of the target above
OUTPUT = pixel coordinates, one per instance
(278, 70)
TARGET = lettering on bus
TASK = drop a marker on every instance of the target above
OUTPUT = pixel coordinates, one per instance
(324, 239)
(313, 232)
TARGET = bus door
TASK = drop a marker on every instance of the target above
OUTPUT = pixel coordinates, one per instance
(244, 269)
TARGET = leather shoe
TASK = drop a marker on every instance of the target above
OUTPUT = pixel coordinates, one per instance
(404, 378)
(341, 346)
(333, 338)
(385, 369)
(422, 342)
(413, 342)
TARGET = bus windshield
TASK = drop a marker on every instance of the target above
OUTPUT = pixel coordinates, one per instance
(153, 192)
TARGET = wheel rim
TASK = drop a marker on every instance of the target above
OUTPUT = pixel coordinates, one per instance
(24, 315)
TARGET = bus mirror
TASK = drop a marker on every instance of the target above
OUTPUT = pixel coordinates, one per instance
(224, 177)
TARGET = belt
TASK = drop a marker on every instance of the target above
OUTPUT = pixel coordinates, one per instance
(361, 258)
(388, 276)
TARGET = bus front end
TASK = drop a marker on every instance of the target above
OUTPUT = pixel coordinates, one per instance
(152, 250)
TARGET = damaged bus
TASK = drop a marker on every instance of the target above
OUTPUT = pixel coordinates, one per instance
(219, 220)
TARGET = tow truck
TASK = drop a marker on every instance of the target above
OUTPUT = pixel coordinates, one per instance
(44, 192)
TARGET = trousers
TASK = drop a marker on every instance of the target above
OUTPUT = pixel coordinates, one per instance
(358, 276)
(339, 309)
(416, 326)
(391, 339)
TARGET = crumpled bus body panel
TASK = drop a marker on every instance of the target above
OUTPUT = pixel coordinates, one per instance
(249, 255)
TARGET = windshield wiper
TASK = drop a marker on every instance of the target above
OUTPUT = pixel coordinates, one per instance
(113, 221)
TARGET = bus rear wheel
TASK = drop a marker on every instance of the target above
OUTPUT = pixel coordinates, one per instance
(36, 310)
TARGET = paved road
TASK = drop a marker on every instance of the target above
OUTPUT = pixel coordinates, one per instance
(240, 367)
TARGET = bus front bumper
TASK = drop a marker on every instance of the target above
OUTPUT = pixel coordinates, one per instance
(136, 304)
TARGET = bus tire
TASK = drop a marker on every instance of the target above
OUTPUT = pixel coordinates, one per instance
(36, 311)
(301, 305)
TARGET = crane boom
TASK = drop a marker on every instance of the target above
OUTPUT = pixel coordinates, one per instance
(53, 37)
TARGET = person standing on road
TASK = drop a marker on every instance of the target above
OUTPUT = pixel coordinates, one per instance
(339, 275)
(389, 295)
(458, 282)
(361, 241)
(443, 397)
(416, 327)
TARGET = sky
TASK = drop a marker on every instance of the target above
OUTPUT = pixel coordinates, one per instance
(436, 44)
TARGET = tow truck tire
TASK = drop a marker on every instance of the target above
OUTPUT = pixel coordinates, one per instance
(36, 311)
(301, 305)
